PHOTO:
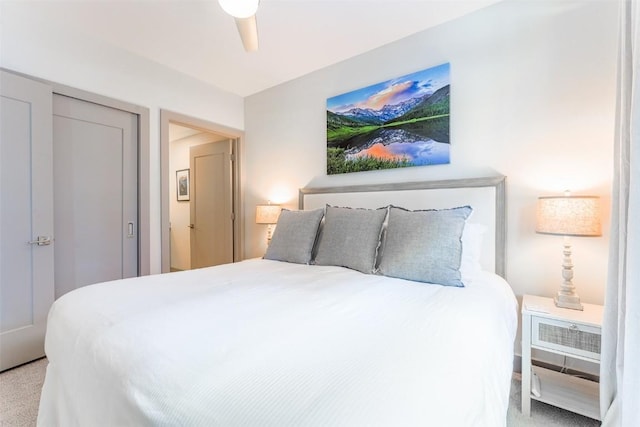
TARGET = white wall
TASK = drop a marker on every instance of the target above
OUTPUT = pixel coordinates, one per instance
(532, 98)
(34, 45)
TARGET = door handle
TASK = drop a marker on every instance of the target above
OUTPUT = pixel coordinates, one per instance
(130, 230)
(41, 241)
(191, 226)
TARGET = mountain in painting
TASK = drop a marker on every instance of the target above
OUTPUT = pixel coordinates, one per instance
(337, 121)
(424, 106)
(434, 105)
(385, 114)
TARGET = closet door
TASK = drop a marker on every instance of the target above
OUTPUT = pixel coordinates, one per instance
(95, 193)
(26, 218)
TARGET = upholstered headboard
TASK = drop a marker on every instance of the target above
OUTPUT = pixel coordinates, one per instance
(485, 195)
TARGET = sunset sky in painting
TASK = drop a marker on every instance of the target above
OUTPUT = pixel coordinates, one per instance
(392, 91)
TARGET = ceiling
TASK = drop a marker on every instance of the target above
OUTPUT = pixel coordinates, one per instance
(197, 38)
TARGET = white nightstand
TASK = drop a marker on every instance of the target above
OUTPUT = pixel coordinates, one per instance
(571, 333)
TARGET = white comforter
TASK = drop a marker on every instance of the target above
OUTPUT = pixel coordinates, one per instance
(267, 343)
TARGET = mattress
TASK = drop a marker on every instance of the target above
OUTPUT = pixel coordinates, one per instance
(268, 343)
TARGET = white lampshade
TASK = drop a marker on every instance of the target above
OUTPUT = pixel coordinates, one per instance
(569, 216)
(240, 8)
(267, 214)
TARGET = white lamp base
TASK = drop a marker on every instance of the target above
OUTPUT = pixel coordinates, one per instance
(269, 233)
(567, 296)
(568, 301)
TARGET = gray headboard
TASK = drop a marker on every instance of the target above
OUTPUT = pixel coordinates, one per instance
(486, 196)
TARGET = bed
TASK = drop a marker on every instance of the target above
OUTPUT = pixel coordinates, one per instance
(301, 340)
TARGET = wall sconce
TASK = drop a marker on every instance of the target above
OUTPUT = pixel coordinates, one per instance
(268, 214)
(568, 216)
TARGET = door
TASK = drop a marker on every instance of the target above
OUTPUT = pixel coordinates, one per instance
(26, 216)
(211, 204)
(95, 193)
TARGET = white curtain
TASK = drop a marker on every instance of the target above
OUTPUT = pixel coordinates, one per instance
(620, 364)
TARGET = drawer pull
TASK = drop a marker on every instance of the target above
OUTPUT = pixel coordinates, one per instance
(574, 327)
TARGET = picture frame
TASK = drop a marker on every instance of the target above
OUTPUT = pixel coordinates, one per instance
(397, 123)
(182, 185)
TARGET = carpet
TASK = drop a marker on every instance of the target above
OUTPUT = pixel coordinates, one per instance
(20, 396)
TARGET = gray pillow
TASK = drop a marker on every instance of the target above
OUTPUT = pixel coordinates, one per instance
(424, 246)
(350, 238)
(294, 236)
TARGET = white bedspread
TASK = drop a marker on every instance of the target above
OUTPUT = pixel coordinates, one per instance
(267, 343)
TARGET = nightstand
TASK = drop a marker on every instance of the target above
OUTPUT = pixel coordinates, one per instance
(571, 333)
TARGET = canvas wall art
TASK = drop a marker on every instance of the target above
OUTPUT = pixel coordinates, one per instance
(398, 123)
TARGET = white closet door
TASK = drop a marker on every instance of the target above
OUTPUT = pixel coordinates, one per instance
(26, 215)
(96, 193)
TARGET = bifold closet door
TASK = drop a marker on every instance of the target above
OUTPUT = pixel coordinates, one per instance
(95, 193)
(26, 218)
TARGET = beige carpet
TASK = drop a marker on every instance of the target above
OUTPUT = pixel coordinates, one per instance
(20, 395)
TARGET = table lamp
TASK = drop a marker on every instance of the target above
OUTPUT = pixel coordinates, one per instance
(568, 216)
(268, 214)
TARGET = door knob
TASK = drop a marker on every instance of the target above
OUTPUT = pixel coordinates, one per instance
(41, 241)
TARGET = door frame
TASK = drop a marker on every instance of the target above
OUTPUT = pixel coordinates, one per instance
(167, 117)
(144, 159)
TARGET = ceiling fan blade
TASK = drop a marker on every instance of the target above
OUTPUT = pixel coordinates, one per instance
(248, 29)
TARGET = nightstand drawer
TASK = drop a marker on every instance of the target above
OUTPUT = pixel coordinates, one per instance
(566, 337)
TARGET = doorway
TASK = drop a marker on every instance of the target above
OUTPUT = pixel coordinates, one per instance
(205, 210)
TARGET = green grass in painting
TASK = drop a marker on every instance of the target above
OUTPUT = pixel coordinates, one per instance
(414, 120)
(343, 133)
(346, 132)
(338, 163)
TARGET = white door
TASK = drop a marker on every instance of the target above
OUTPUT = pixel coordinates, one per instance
(211, 203)
(26, 215)
(95, 193)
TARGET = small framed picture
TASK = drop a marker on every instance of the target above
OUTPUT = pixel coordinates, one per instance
(182, 184)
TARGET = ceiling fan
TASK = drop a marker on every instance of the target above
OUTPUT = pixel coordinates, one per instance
(244, 12)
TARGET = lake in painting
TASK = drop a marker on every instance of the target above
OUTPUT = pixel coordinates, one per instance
(398, 123)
